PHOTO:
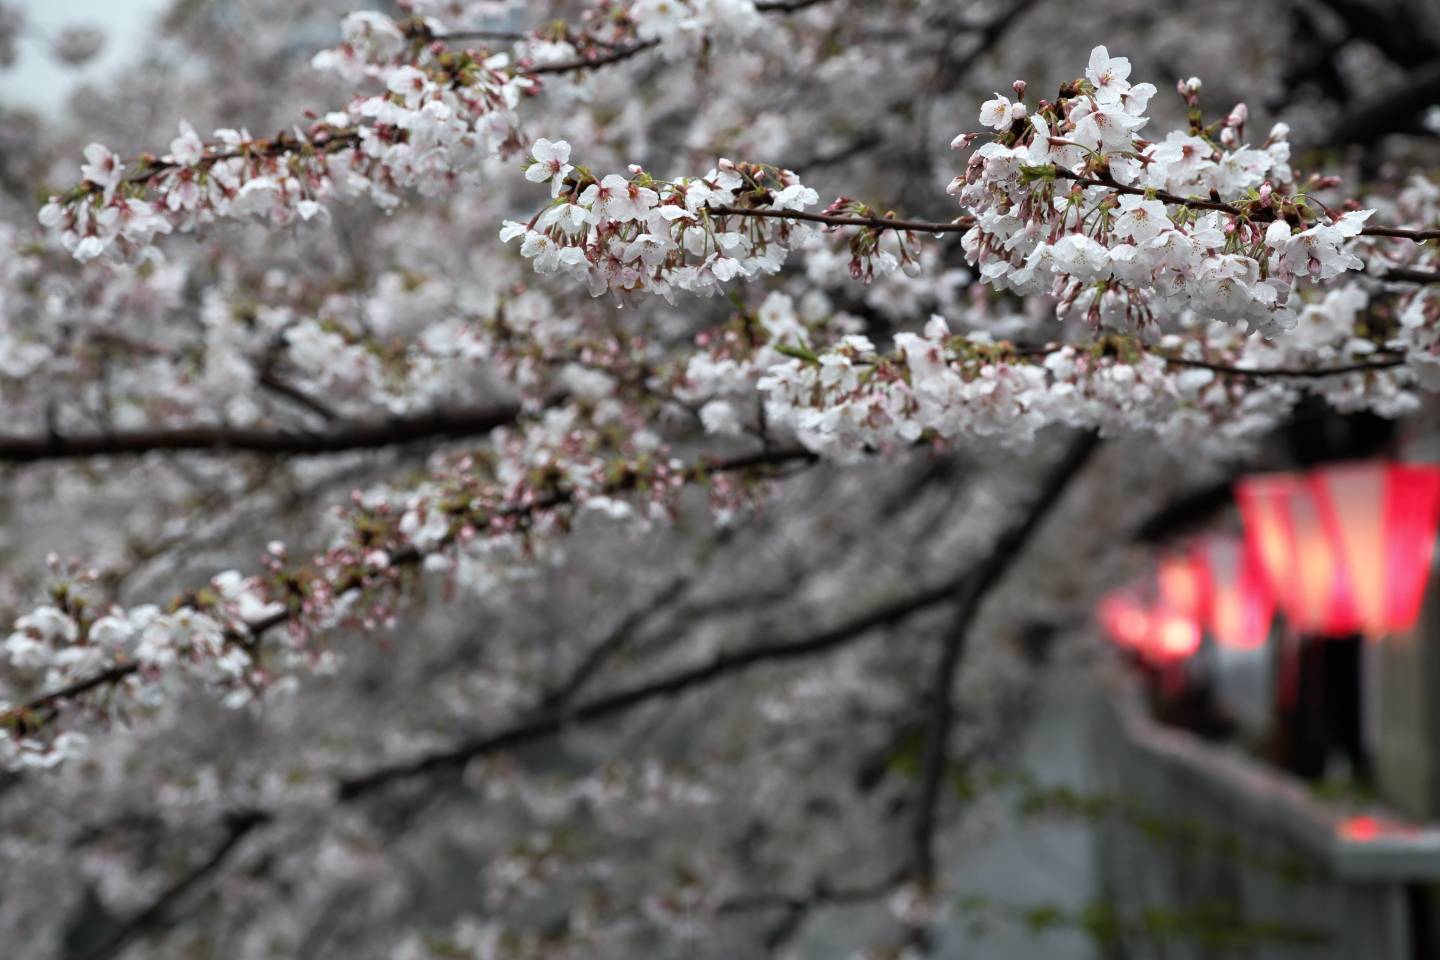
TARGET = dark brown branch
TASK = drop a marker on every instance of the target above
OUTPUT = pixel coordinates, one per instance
(1410, 275)
(439, 424)
(500, 36)
(1188, 511)
(795, 908)
(237, 828)
(1418, 235)
(607, 648)
(272, 382)
(1299, 373)
(959, 225)
(1401, 233)
(80, 687)
(975, 590)
(682, 681)
(585, 63)
(786, 6)
(821, 895)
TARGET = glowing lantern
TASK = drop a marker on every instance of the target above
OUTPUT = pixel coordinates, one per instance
(1174, 636)
(1181, 579)
(1157, 634)
(1126, 620)
(1382, 519)
(1239, 604)
(1286, 534)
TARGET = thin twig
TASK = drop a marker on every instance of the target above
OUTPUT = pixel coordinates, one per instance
(1409, 275)
(585, 63)
(1418, 235)
(959, 225)
(237, 828)
(1299, 373)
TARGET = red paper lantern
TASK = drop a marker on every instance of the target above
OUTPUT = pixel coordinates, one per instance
(1303, 566)
(1156, 633)
(1182, 581)
(1173, 635)
(1239, 605)
(1126, 619)
(1382, 519)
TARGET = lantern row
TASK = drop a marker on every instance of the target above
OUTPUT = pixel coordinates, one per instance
(1340, 550)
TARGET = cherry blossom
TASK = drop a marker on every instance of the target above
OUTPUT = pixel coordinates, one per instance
(353, 504)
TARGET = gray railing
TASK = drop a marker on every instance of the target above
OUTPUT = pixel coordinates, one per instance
(1228, 832)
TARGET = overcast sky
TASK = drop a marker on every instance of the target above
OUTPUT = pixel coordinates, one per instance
(37, 80)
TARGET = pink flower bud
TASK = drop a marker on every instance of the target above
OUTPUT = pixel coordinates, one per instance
(1019, 87)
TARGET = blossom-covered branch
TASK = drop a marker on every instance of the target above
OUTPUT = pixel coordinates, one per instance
(441, 115)
(215, 634)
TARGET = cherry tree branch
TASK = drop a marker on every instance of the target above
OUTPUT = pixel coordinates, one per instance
(252, 633)
(269, 380)
(104, 678)
(439, 424)
(621, 634)
(1299, 373)
(976, 588)
(617, 55)
(786, 6)
(796, 907)
(238, 827)
(1410, 275)
(958, 225)
(1418, 235)
(961, 224)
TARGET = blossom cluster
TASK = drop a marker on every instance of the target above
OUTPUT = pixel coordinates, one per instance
(722, 373)
(680, 26)
(142, 649)
(637, 234)
(1416, 329)
(439, 115)
(473, 519)
(1070, 200)
(851, 398)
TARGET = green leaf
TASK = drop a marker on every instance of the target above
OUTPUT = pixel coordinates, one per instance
(799, 352)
